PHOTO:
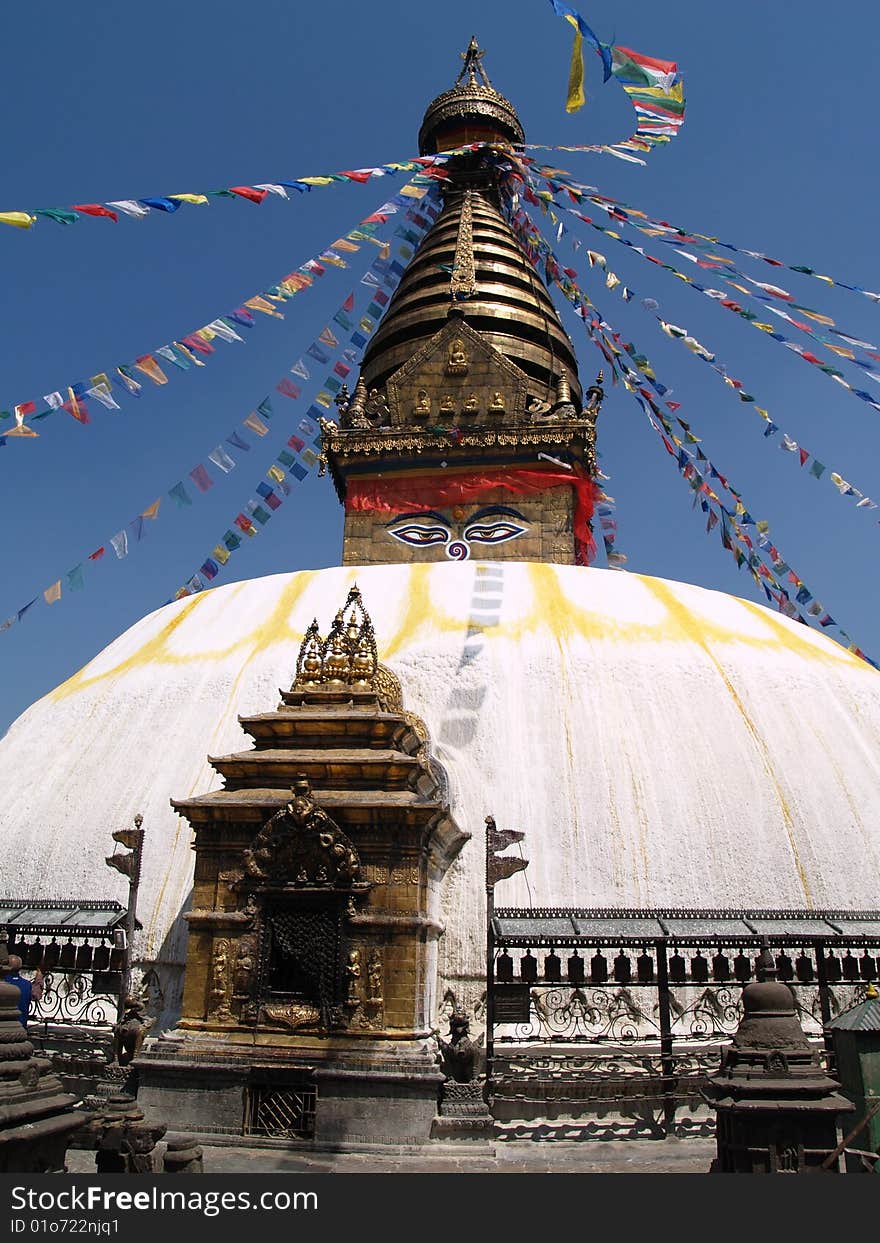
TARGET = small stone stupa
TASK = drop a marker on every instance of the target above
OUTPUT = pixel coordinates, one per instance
(777, 1108)
(37, 1117)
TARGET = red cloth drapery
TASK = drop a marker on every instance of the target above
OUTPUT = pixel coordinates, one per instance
(395, 494)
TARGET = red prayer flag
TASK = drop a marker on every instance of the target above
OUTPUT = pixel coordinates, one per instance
(296, 444)
(192, 342)
(248, 192)
(361, 177)
(95, 209)
(272, 500)
(201, 478)
(348, 304)
(26, 407)
(803, 455)
(96, 555)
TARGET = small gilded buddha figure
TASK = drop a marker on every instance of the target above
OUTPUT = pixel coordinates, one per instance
(472, 405)
(496, 405)
(336, 658)
(447, 405)
(457, 362)
(423, 404)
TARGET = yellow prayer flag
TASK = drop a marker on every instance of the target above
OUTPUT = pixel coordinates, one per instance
(316, 181)
(414, 192)
(261, 304)
(220, 554)
(820, 319)
(20, 219)
(343, 243)
(256, 424)
(206, 334)
(53, 593)
(576, 98)
(276, 473)
(324, 399)
(151, 368)
(152, 511)
(190, 198)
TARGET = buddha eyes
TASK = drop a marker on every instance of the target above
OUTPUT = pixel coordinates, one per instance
(420, 536)
(487, 531)
(492, 532)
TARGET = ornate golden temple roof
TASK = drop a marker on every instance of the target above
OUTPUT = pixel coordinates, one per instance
(472, 111)
(470, 263)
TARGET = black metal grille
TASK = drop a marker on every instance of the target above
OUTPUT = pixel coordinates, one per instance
(281, 1112)
(590, 1006)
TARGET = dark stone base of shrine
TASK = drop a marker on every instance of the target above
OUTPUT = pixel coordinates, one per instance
(346, 1095)
(464, 1114)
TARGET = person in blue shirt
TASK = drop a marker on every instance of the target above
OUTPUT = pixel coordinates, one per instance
(12, 976)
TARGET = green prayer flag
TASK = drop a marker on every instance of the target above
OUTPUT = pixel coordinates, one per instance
(75, 580)
(58, 214)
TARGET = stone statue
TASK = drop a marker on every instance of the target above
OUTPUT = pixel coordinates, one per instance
(353, 974)
(459, 1053)
(447, 405)
(457, 360)
(496, 405)
(376, 408)
(423, 403)
(374, 976)
(129, 1035)
(472, 405)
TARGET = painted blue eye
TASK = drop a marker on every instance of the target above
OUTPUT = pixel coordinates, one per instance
(418, 535)
(493, 532)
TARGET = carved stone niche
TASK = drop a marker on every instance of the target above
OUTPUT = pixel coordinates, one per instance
(302, 881)
(457, 377)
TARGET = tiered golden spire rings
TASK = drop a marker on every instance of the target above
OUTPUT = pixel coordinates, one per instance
(347, 659)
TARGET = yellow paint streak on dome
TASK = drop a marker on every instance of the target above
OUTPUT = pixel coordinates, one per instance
(694, 629)
(156, 650)
(419, 609)
(153, 648)
(790, 637)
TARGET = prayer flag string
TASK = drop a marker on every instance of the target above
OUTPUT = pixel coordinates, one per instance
(192, 349)
(296, 459)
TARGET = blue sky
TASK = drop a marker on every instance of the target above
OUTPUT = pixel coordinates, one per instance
(114, 102)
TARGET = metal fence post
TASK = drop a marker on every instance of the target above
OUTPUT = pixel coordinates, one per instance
(667, 1061)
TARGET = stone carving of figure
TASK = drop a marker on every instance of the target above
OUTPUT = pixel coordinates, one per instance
(457, 360)
(472, 405)
(353, 974)
(128, 1036)
(423, 403)
(496, 405)
(377, 407)
(447, 405)
(459, 1052)
(374, 975)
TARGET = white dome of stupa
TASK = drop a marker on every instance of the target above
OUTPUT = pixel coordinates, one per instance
(660, 744)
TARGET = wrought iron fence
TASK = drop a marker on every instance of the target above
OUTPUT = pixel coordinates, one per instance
(636, 1006)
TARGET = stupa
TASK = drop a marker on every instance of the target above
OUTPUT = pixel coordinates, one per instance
(661, 744)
